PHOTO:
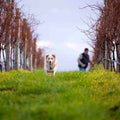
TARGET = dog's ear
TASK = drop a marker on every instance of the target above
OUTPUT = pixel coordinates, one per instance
(54, 56)
(47, 55)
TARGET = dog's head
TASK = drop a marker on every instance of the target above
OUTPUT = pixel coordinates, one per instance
(50, 59)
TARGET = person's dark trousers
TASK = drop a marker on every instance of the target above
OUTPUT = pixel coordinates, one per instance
(0, 67)
(82, 69)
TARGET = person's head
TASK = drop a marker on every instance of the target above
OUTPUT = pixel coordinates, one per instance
(86, 51)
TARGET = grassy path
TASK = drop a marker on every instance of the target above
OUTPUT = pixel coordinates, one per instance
(67, 96)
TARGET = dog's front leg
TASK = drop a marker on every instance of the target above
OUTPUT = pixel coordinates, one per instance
(54, 73)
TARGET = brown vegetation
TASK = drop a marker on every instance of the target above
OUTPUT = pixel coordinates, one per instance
(107, 33)
(18, 47)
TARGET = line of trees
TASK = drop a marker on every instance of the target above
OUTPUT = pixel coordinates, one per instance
(18, 48)
(106, 43)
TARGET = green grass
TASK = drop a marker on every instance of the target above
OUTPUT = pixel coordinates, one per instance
(94, 95)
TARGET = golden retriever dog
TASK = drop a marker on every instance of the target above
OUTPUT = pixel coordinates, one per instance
(50, 65)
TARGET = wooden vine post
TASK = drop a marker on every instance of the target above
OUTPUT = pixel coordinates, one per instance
(118, 56)
(16, 61)
(25, 42)
(34, 54)
(118, 47)
(106, 43)
(8, 36)
(30, 52)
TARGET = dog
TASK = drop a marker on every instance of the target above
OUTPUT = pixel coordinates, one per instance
(50, 64)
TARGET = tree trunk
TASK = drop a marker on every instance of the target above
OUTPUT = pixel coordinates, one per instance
(25, 44)
(8, 45)
(21, 56)
(34, 53)
(8, 39)
(106, 55)
(34, 65)
(24, 56)
(0, 51)
(16, 62)
(30, 60)
(118, 56)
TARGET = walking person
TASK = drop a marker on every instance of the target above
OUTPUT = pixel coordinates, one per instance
(83, 60)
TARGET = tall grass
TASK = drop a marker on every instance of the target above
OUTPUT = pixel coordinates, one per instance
(94, 95)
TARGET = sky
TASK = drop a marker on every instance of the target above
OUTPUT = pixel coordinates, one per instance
(58, 31)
